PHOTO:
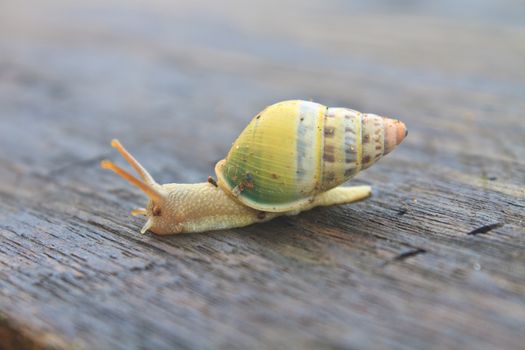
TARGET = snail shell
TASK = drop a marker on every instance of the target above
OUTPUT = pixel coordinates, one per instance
(293, 150)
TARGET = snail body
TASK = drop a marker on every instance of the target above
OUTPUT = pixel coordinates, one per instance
(290, 158)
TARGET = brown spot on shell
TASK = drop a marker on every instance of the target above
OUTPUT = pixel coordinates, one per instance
(366, 159)
(328, 154)
(261, 215)
(329, 177)
(328, 158)
(237, 190)
(349, 172)
(366, 138)
(329, 131)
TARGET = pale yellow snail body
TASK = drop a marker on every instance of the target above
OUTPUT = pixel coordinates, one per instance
(290, 158)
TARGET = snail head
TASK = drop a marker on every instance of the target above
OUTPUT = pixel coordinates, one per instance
(155, 192)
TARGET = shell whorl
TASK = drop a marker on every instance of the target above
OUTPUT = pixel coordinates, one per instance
(354, 141)
(295, 149)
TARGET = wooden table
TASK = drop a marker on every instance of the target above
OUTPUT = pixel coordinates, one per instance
(435, 259)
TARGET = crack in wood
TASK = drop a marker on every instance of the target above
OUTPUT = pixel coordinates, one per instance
(485, 229)
(402, 211)
(409, 254)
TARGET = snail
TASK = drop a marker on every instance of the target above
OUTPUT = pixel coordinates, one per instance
(290, 158)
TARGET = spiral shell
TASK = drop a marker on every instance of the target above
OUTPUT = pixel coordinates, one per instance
(296, 149)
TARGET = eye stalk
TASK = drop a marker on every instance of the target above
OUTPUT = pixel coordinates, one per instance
(152, 193)
(133, 162)
(147, 184)
(139, 211)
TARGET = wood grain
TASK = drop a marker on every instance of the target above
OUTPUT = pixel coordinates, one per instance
(435, 259)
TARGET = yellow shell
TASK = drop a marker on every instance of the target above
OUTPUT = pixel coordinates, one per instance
(296, 149)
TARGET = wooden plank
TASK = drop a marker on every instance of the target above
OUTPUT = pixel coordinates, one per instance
(434, 259)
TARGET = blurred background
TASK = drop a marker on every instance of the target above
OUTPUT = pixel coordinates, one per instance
(176, 82)
(145, 71)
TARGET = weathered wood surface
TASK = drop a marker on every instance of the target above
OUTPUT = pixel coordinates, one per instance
(176, 83)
